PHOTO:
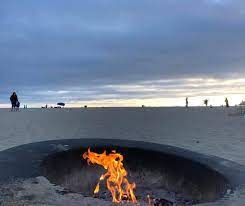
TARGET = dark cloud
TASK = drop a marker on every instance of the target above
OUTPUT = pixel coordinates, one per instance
(58, 45)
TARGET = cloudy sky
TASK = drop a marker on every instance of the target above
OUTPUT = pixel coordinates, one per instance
(122, 52)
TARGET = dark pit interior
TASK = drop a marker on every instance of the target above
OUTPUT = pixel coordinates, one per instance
(155, 173)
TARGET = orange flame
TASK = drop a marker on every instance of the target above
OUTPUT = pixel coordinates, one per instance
(115, 176)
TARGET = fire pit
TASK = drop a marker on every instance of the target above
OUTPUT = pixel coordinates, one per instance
(160, 172)
(160, 175)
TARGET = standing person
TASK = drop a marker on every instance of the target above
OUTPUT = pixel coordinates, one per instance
(186, 102)
(227, 102)
(14, 100)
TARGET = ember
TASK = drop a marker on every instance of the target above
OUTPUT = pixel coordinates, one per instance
(116, 180)
(158, 202)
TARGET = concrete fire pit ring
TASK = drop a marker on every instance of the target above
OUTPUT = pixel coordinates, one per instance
(201, 177)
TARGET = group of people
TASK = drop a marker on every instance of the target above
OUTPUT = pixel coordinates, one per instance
(206, 102)
(14, 102)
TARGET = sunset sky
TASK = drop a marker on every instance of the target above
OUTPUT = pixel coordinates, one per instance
(122, 52)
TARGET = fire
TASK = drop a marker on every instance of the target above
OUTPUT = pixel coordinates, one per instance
(116, 175)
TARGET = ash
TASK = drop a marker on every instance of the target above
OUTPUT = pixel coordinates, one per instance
(157, 196)
(40, 192)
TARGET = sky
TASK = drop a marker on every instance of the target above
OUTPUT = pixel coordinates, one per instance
(122, 52)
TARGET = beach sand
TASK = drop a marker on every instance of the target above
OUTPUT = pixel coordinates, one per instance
(203, 130)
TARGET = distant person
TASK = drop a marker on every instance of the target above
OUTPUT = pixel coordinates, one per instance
(13, 100)
(227, 102)
(186, 102)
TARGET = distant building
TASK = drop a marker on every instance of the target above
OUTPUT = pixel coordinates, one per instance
(242, 103)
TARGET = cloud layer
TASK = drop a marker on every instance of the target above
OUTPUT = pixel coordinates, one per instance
(104, 49)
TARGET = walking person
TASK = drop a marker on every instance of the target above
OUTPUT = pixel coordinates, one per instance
(14, 100)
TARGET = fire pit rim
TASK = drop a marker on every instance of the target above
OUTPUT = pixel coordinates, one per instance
(24, 161)
(30, 155)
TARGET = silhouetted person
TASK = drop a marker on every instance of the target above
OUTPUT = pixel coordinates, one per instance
(227, 102)
(186, 102)
(13, 100)
(206, 102)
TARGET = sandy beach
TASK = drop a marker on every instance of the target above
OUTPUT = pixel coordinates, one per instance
(203, 130)
(165, 75)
